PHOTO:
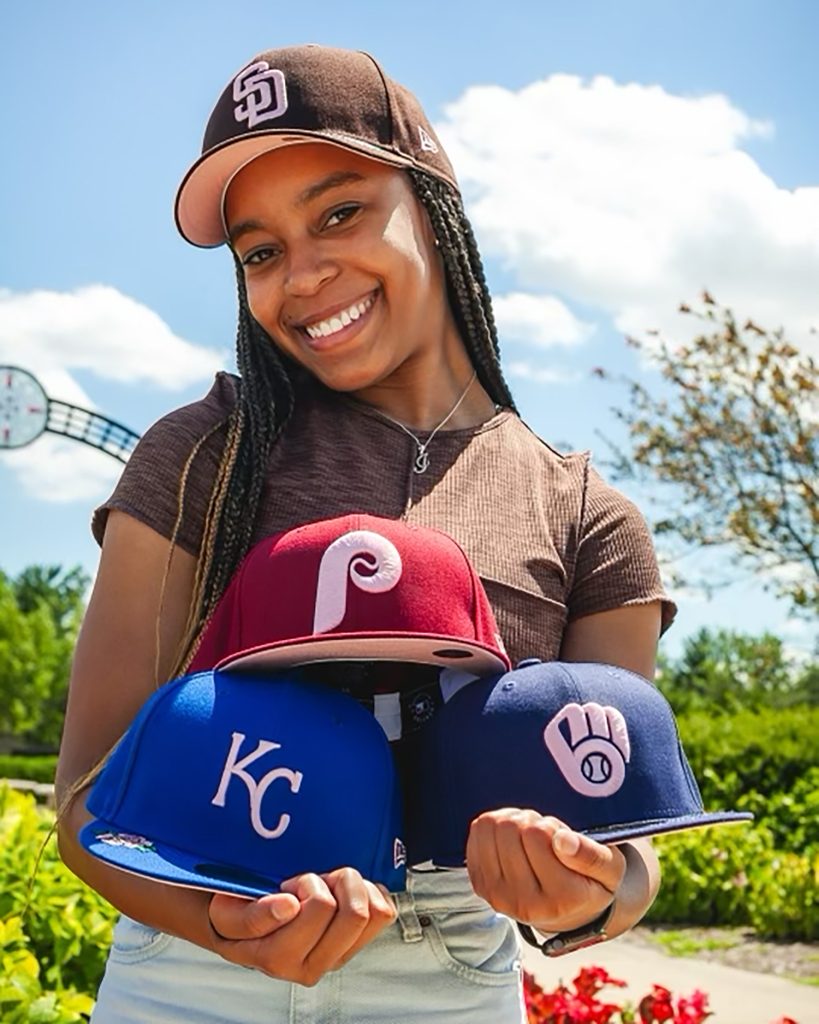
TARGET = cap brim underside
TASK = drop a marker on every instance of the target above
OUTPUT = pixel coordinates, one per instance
(198, 207)
(660, 826)
(425, 650)
(171, 865)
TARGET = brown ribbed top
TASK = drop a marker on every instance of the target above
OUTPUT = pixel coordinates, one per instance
(550, 540)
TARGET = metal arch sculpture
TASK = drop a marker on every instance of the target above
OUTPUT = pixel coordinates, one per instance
(26, 412)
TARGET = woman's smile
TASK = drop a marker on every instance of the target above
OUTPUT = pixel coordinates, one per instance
(334, 327)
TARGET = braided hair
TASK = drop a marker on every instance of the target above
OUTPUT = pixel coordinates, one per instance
(265, 399)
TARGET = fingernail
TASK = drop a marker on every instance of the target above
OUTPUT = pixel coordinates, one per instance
(566, 841)
(282, 911)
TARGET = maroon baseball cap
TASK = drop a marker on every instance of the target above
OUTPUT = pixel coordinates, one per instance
(303, 94)
(358, 587)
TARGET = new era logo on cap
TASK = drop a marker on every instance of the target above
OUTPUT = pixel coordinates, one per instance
(357, 587)
(593, 745)
(236, 785)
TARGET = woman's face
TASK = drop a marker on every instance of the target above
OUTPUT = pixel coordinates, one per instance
(340, 264)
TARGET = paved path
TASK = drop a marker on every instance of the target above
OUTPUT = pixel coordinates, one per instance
(735, 997)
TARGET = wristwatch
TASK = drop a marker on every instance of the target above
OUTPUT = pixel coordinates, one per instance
(578, 938)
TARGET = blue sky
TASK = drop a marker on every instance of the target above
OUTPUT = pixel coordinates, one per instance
(668, 147)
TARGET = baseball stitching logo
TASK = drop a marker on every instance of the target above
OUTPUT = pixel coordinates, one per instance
(256, 790)
(372, 563)
(593, 759)
(260, 94)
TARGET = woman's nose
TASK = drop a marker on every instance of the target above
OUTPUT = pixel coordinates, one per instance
(308, 269)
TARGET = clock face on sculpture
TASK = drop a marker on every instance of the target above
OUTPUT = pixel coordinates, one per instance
(23, 408)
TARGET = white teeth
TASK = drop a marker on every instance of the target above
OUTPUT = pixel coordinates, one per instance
(325, 328)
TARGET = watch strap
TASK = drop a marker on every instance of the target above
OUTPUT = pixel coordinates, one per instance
(576, 938)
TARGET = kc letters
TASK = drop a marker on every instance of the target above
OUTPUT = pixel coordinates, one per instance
(256, 790)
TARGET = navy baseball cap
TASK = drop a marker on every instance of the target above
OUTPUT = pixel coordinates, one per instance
(237, 786)
(593, 745)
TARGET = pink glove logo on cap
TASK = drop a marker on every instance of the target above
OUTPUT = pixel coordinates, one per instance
(594, 756)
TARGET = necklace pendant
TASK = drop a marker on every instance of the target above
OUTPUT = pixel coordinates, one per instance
(421, 461)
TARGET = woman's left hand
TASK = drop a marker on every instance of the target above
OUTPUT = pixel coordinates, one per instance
(538, 871)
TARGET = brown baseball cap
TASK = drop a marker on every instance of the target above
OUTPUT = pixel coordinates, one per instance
(303, 94)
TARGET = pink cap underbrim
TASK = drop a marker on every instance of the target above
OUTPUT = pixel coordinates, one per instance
(199, 201)
(422, 649)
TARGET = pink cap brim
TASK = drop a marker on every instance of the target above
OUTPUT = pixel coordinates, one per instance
(422, 649)
(199, 200)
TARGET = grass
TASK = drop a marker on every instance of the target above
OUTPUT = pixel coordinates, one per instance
(683, 943)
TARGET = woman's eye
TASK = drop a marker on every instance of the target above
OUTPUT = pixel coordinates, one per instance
(258, 256)
(342, 214)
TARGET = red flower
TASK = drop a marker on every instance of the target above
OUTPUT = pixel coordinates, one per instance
(693, 1010)
(656, 1006)
(581, 1006)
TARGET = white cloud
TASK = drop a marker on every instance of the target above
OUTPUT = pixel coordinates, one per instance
(630, 199)
(541, 374)
(57, 470)
(96, 328)
(538, 320)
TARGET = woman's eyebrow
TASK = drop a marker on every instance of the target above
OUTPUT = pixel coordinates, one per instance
(331, 181)
(242, 228)
(313, 191)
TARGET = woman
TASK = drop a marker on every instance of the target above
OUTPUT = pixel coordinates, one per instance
(369, 381)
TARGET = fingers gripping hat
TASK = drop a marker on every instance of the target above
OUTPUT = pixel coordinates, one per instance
(356, 587)
(593, 745)
(236, 786)
(303, 94)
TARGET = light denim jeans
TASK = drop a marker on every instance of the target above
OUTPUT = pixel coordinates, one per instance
(449, 957)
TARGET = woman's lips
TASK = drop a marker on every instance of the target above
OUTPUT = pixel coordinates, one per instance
(321, 335)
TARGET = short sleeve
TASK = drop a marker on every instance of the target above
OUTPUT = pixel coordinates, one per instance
(616, 562)
(149, 489)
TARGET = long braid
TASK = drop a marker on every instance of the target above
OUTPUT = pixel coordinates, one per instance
(264, 405)
(466, 281)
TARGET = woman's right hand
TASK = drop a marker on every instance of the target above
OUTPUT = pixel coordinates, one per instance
(314, 925)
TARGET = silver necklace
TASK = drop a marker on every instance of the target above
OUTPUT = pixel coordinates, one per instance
(421, 461)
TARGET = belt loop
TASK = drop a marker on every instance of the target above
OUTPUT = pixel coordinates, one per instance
(411, 930)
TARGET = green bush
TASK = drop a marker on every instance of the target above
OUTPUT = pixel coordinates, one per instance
(792, 817)
(22, 997)
(784, 898)
(765, 752)
(37, 767)
(56, 931)
(734, 875)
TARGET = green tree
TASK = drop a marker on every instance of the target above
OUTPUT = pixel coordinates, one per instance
(40, 612)
(723, 671)
(734, 434)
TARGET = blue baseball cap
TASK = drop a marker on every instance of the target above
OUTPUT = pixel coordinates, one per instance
(237, 786)
(593, 745)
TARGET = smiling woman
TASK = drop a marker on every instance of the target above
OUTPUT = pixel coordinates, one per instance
(369, 382)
